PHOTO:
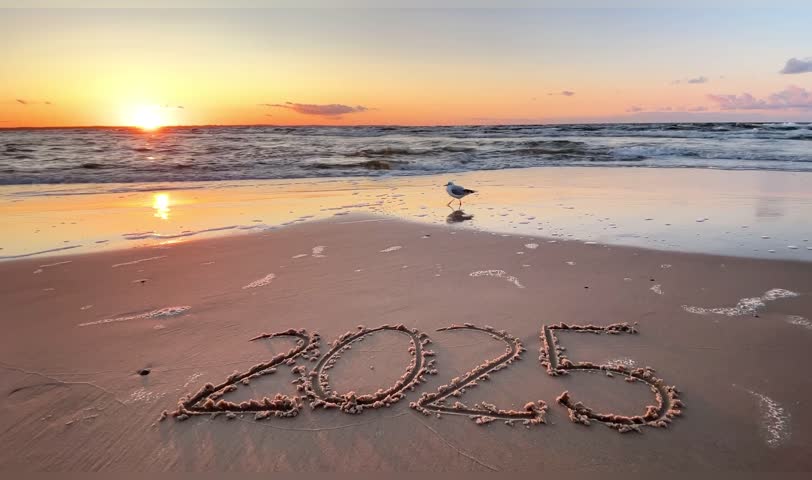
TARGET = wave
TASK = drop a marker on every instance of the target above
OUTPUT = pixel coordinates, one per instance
(210, 154)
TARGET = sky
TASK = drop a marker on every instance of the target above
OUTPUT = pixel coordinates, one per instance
(151, 67)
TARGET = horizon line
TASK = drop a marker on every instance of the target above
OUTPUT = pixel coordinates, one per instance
(381, 125)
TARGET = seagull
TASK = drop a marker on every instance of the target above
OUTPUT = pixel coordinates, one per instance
(457, 192)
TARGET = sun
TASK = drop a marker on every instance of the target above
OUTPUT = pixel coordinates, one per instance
(147, 117)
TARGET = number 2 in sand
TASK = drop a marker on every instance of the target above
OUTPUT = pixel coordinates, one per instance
(552, 357)
(481, 413)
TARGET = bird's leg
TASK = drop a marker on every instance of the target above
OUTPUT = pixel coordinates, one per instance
(449, 203)
(460, 204)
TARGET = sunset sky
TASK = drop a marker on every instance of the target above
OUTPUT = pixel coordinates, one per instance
(337, 67)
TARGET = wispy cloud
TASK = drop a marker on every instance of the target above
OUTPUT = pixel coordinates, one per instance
(796, 65)
(692, 81)
(563, 93)
(642, 109)
(31, 102)
(791, 98)
(326, 110)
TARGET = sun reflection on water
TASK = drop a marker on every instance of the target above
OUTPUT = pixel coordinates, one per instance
(160, 202)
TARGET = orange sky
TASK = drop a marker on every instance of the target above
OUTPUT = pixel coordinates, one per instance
(120, 67)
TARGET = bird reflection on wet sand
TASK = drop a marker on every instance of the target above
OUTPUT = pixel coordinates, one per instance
(458, 216)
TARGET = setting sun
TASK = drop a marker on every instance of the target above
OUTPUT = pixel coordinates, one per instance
(146, 117)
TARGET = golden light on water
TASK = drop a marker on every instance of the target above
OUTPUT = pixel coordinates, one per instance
(160, 202)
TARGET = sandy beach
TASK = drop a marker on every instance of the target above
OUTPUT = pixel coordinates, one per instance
(100, 344)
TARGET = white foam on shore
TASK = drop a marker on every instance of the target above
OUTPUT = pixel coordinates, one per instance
(531, 246)
(498, 274)
(800, 321)
(745, 306)
(159, 313)
(301, 255)
(318, 251)
(775, 420)
(658, 289)
(139, 261)
(570, 262)
(391, 249)
(665, 265)
(261, 282)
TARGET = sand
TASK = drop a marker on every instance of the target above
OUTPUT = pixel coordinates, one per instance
(244, 343)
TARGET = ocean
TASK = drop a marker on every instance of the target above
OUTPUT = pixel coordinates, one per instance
(177, 154)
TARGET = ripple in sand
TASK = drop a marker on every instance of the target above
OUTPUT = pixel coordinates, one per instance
(261, 282)
(497, 274)
(745, 306)
(775, 420)
(159, 313)
(392, 249)
(139, 261)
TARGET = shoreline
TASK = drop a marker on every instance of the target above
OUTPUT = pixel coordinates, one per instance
(742, 213)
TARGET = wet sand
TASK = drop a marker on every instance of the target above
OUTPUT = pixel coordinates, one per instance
(740, 213)
(98, 346)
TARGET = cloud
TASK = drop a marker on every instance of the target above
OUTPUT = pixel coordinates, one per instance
(679, 109)
(796, 65)
(693, 81)
(790, 98)
(327, 110)
(31, 102)
(563, 93)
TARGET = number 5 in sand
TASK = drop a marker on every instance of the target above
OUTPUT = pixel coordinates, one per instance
(551, 355)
